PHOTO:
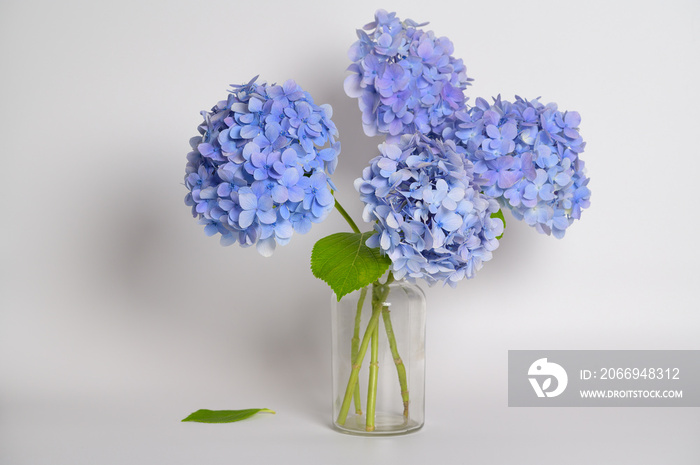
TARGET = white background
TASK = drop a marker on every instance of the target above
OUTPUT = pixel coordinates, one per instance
(119, 316)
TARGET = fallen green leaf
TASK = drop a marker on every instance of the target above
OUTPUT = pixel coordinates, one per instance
(224, 416)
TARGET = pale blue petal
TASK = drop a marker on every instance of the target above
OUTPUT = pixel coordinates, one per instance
(267, 216)
(266, 247)
(246, 218)
(247, 200)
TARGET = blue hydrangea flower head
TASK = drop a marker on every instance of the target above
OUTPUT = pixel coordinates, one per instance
(527, 155)
(405, 79)
(259, 170)
(430, 217)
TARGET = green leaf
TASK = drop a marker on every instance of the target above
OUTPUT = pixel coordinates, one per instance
(499, 214)
(346, 264)
(224, 416)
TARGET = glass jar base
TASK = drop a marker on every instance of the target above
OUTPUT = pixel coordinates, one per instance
(387, 424)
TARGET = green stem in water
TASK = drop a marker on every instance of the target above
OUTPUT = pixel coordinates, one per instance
(345, 215)
(373, 373)
(356, 346)
(352, 381)
(400, 368)
(379, 294)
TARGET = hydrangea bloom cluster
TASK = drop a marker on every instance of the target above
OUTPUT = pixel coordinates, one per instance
(431, 220)
(406, 80)
(259, 170)
(527, 155)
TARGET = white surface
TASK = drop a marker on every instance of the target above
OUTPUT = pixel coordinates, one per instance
(119, 317)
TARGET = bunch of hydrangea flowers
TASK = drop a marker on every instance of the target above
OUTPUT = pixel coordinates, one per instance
(406, 80)
(259, 171)
(527, 155)
(430, 217)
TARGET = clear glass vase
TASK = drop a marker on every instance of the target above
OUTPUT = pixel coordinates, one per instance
(379, 359)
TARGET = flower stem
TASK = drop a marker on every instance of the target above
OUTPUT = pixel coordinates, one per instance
(400, 368)
(345, 215)
(379, 295)
(373, 321)
(389, 279)
(356, 346)
(373, 373)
